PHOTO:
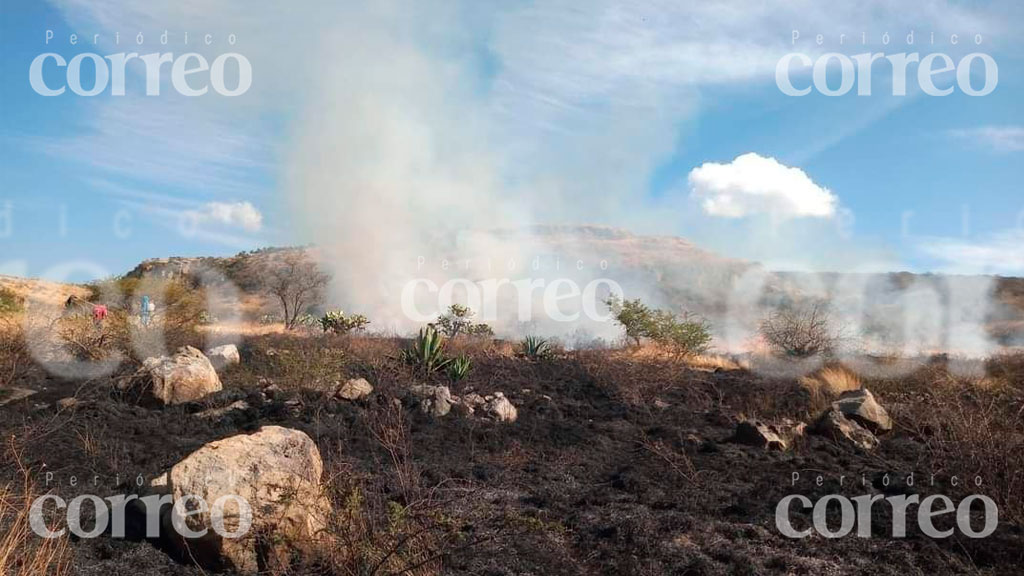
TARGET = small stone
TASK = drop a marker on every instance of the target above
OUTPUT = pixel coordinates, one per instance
(354, 389)
(501, 409)
(218, 413)
(758, 434)
(67, 403)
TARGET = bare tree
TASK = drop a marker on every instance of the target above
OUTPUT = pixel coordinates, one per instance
(801, 331)
(296, 281)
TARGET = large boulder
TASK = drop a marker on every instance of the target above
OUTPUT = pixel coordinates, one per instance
(186, 376)
(861, 407)
(223, 356)
(833, 424)
(277, 472)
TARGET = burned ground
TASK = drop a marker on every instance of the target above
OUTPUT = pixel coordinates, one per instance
(619, 463)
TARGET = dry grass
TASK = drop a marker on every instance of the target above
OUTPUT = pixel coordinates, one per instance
(713, 363)
(43, 293)
(14, 356)
(22, 552)
(388, 523)
(827, 384)
(653, 352)
(970, 425)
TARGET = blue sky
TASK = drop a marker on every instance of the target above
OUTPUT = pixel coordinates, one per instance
(531, 111)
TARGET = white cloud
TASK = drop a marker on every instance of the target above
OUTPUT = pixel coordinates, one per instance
(234, 215)
(752, 184)
(1001, 253)
(998, 138)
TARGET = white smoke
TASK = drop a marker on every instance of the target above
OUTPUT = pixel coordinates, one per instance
(407, 123)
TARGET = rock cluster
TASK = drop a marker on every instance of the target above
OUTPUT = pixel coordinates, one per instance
(855, 418)
(438, 401)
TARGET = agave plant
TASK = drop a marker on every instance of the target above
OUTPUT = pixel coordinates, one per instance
(427, 351)
(459, 368)
(534, 347)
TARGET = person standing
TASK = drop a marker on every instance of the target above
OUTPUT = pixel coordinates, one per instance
(99, 314)
(145, 310)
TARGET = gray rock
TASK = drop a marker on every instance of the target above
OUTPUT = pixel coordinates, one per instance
(833, 424)
(219, 413)
(433, 400)
(223, 356)
(499, 408)
(277, 471)
(758, 434)
(186, 376)
(861, 407)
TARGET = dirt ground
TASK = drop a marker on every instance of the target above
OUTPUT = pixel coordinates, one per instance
(620, 463)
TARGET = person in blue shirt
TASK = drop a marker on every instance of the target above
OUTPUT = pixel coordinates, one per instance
(144, 310)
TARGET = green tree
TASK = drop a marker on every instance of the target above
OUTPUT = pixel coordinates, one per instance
(687, 334)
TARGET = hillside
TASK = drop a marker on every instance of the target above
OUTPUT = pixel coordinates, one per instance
(41, 292)
(665, 271)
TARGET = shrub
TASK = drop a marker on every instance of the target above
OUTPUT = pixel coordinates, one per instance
(458, 320)
(427, 351)
(633, 315)
(800, 331)
(459, 368)
(534, 347)
(335, 321)
(10, 302)
(685, 334)
(692, 336)
(84, 339)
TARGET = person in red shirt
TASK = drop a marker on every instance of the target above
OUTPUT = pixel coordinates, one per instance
(99, 313)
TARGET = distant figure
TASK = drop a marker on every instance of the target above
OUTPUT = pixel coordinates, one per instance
(144, 310)
(99, 313)
(75, 305)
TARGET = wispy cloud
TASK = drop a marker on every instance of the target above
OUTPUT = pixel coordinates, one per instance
(1000, 253)
(232, 215)
(1005, 138)
(234, 224)
(167, 142)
